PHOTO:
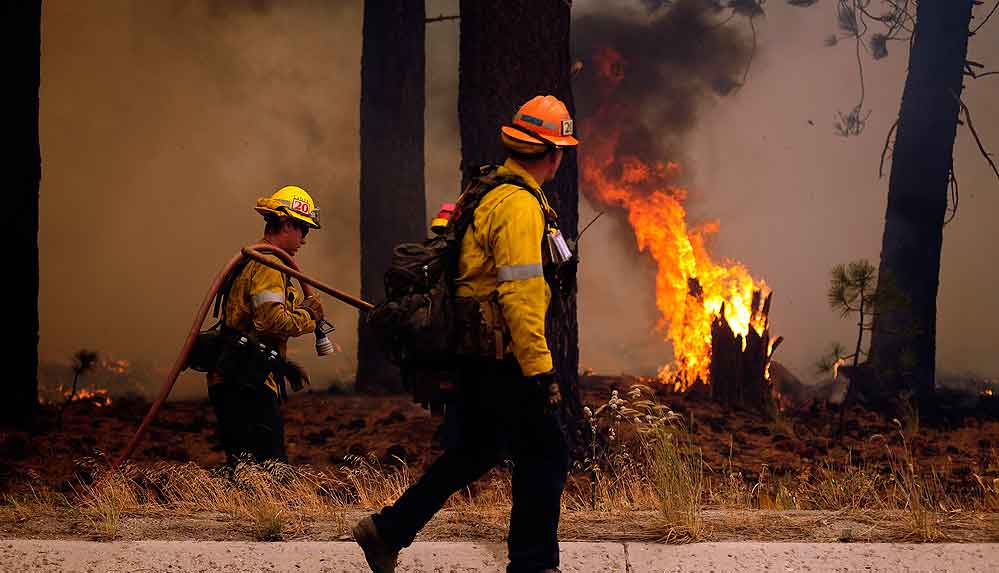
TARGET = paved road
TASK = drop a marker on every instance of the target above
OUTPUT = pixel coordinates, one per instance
(22, 556)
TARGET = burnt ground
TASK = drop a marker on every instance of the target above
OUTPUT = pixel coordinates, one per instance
(324, 428)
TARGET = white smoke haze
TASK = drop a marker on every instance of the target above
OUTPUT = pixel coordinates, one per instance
(162, 123)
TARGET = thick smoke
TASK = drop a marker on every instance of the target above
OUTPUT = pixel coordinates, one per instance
(667, 65)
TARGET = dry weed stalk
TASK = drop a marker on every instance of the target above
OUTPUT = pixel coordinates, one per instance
(35, 502)
(105, 500)
(271, 499)
(927, 506)
(374, 485)
(990, 486)
(642, 456)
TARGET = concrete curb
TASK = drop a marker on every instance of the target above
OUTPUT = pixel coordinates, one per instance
(23, 555)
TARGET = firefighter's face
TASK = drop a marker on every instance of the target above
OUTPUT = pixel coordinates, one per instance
(554, 160)
(292, 236)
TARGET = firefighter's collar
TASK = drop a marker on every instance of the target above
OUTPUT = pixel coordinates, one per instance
(515, 168)
(518, 170)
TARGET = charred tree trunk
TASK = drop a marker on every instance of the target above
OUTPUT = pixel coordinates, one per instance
(903, 345)
(393, 203)
(511, 51)
(738, 375)
(22, 44)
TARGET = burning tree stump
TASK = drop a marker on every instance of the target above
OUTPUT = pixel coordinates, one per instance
(738, 366)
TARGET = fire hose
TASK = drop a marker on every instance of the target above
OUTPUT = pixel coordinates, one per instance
(256, 253)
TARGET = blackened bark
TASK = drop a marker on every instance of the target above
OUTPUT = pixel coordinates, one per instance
(511, 51)
(903, 345)
(22, 43)
(393, 202)
(738, 374)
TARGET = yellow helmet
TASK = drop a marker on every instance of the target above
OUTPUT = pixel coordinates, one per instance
(290, 201)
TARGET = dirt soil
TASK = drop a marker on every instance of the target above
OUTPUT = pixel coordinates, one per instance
(324, 428)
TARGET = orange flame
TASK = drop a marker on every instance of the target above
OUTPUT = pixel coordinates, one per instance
(119, 366)
(97, 396)
(691, 289)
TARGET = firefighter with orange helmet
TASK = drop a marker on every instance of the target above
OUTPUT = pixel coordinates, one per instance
(508, 397)
(261, 311)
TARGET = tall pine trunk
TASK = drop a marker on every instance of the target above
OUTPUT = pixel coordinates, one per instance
(511, 51)
(393, 203)
(22, 44)
(903, 345)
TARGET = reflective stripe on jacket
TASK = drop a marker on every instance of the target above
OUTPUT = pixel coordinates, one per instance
(263, 301)
(501, 252)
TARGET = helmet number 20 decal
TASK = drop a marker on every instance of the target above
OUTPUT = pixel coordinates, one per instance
(300, 205)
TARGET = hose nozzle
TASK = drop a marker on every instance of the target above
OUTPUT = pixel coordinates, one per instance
(324, 345)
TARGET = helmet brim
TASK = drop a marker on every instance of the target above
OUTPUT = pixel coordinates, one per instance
(307, 220)
(284, 212)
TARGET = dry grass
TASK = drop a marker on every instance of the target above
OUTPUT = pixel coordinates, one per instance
(990, 485)
(676, 475)
(271, 500)
(105, 501)
(372, 485)
(644, 480)
(643, 456)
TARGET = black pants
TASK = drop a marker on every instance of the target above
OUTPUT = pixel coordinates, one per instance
(500, 414)
(249, 421)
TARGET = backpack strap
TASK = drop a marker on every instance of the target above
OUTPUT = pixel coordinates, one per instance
(487, 180)
(222, 295)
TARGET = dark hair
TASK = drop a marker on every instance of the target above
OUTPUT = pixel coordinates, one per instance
(272, 224)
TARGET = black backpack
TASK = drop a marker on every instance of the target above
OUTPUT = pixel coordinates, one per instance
(418, 324)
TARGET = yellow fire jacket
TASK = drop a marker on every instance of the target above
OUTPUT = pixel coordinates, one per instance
(501, 252)
(264, 302)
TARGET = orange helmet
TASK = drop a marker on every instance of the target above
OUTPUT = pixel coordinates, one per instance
(544, 120)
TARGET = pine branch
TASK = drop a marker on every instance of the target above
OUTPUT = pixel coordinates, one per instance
(974, 132)
(991, 12)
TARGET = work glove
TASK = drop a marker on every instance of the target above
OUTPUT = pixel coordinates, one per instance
(297, 377)
(547, 384)
(312, 306)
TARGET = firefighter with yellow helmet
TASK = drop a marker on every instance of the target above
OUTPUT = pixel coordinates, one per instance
(261, 310)
(508, 398)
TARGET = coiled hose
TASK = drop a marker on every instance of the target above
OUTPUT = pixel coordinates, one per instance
(255, 252)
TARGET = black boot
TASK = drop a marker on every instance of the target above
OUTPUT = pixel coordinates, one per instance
(381, 556)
